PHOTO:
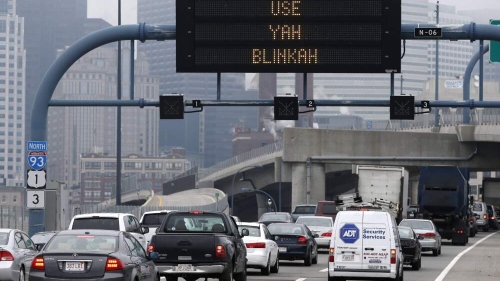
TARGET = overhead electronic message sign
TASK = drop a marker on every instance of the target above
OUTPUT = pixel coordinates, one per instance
(296, 36)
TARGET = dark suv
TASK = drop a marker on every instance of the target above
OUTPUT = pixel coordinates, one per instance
(492, 217)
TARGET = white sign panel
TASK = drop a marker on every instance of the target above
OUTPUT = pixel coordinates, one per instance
(454, 84)
(35, 199)
(37, 179)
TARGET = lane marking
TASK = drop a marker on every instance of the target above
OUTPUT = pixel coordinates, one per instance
(455, 260)
(324, 270)
(161, 200)
(301, 279)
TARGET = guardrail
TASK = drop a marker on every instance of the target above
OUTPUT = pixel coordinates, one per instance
(252, 154)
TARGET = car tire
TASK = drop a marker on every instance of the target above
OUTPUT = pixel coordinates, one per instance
(226, 275)
(439, 250)
(266, 270)
(315, 259)
(435, 252)
(416, 265)
(276, 266)
(22, 274)
(308, 259)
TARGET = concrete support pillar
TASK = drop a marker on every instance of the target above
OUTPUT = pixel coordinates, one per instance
(299, 183)
(413, 188)
(261, 204)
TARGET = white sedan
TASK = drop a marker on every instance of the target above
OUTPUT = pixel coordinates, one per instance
(262, 251)
(321, 227)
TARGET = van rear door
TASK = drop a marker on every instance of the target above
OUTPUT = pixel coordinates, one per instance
(376, 238)
(348, 242)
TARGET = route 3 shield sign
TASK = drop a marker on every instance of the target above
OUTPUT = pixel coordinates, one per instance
(37, 159)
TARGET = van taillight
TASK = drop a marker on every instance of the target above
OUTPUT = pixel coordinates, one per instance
(393, 256)
(220, 252)
(485, 216)
(331, 256)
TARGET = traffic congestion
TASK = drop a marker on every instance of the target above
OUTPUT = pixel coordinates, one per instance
(362, 243)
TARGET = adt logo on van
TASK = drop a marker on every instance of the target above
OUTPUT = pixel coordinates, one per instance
(349, 233)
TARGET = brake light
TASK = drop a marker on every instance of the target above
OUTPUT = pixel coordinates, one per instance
(151, 248)
(492, 218)
(256, 245)
(331, 255)
(393, 256)
(38, 264)
(485, 216)
(302, 240)
(327, 234)
(196, 212)
(6, 256)
(430, 234)
(460, 231)
(220, 252)
(113, 264)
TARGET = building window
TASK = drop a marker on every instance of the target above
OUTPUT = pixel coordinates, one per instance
(14, 199)
(4, 198)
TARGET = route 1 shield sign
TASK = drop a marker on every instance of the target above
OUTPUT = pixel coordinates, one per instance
(37, 159)
(37, 179)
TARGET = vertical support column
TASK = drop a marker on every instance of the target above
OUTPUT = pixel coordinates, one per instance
(316, 189)
(436, 112)
(132, 69)
(119, 116)
(392, 84)
(218, 85)
(261, 204)
(481, 70)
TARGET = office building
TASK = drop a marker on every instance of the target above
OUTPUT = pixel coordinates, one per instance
(12, 95)
(73, 131)
(49, 25)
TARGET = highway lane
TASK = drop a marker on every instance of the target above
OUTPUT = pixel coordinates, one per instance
(481, 263)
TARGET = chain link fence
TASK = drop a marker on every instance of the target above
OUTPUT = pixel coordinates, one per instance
(14, 217)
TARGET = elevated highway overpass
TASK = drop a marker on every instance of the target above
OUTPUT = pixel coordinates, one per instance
(325, 157)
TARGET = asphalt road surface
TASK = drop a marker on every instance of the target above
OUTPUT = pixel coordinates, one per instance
(478, 260)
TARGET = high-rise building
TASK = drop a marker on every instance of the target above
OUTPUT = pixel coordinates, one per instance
(453, 55)
(73, 131)
(207, 135)
(12, 95)
(49, 25)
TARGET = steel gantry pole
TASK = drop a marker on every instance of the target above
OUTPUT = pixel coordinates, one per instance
(436, 112)
(119, 116)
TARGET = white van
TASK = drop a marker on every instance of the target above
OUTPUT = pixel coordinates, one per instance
(365, 244)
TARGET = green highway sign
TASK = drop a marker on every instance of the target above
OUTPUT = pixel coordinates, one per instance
(494, 46)
(217, 194)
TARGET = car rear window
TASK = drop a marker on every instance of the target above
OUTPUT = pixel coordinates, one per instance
(416, 224)
(405, 233)
(85, 243)
(315, 221)
(96, 223)
(41, 238)
(253, 230)
(477, 207)
(305, 209)
(273, 217)
(188, 222)
(330, 209)
(285, 229)
(4, 238)
(153, 219)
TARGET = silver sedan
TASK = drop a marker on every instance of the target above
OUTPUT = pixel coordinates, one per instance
(16, 254)
(426, 229)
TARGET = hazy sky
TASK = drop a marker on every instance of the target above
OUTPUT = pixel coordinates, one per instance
(107, 9)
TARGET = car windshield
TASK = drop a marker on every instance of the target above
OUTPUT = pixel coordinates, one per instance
(92, 243)
(417, 224)
(96, 223)
(4, 238)
(195, 222)
(153, 219)
(274, 217)
(405, 233)
(305, 210)
(285, 229)
(253, 230)
(315, 222)
(41, 238)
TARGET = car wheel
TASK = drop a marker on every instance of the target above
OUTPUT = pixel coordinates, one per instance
(267, 270)
(228, 274)
(308, 259)
(276, 266)
(22, 274)
(435, 252)
(415, 265)
(439, 250)
(315, 259)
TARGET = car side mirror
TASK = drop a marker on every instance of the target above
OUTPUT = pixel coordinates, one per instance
(316, 235)
(245, 232)
(145, 229)
(39, 247)
(153, 255)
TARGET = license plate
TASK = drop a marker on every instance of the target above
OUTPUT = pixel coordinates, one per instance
(377, 267)
(283, 249)
(347, 257)
(184, 267)
(75, 266)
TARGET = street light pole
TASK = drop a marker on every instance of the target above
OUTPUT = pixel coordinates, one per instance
(232, 185)
(265, 193)
(119, 116)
